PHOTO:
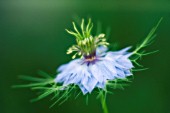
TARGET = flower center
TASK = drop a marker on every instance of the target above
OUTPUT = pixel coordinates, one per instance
(91, 57)
(86, 43)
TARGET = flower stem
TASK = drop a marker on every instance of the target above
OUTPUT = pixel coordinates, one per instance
(103, 102)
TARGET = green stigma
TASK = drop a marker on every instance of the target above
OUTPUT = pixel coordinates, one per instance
(86, 43)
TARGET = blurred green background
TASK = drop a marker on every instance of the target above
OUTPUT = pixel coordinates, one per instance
(32, 37)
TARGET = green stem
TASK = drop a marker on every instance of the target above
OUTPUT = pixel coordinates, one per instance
(103, 102)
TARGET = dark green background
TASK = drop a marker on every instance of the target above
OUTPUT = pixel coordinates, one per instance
(32, 37)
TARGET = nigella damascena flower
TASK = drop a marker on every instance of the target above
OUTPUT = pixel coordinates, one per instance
(89, 73)
(94, 67)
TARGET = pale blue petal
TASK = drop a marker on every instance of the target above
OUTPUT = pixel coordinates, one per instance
(113, 55)
(123, 51)
(96, 72)
(71, 65)
(101, 50)
(110, 65)
(89, 83)
(108, 70)
(118, 54)
(120, 73)
(83, 89)
(101, 85)
(62, 67)
(128, 55)
(70, 79)
(128, 72)
(61, 77)
(126, 63)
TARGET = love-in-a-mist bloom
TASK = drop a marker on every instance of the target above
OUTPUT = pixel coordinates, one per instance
(96, 69)
(93, 67)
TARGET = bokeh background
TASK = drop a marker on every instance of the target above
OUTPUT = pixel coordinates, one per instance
(32, 37)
